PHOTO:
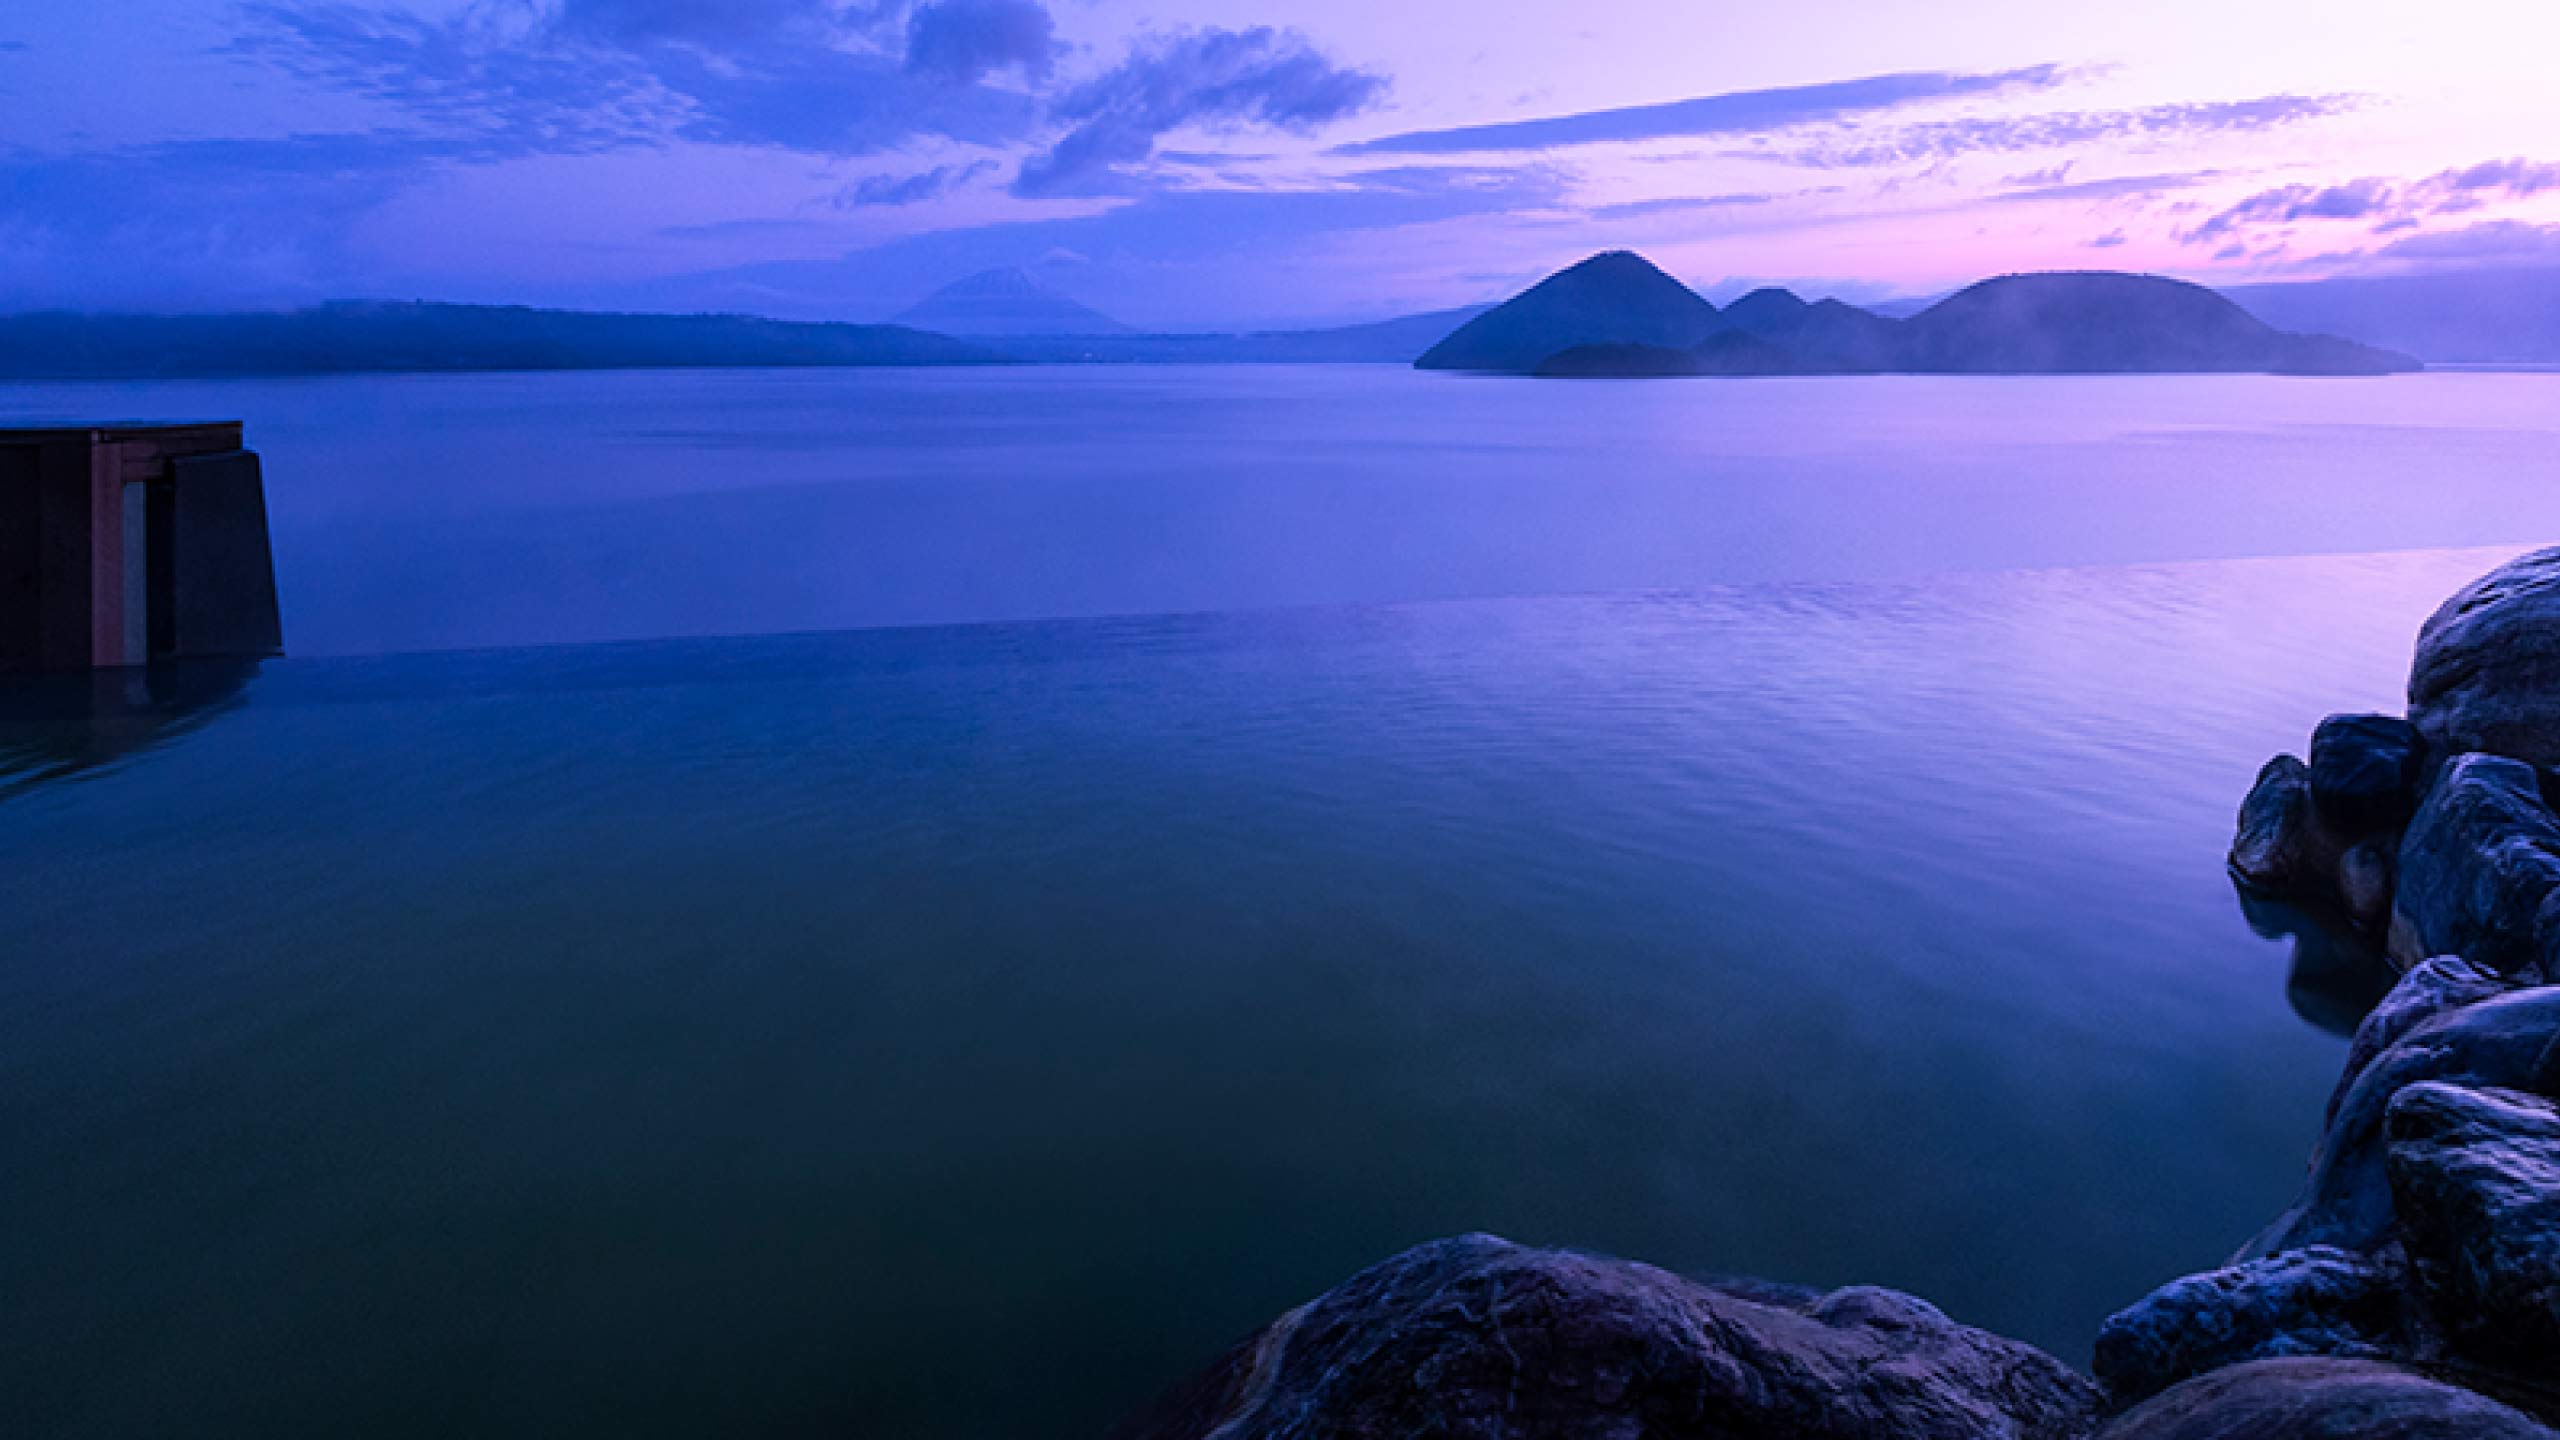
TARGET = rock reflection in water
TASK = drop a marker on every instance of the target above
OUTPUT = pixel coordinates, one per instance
(2338, 976)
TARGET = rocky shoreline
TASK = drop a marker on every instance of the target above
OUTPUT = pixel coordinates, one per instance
(2411, 1291)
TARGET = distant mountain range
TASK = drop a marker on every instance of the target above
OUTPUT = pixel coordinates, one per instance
(2480, 317)
(1008, 304)
(1615, 314)
(1612, 314)
(369, 336)
(1388, 342)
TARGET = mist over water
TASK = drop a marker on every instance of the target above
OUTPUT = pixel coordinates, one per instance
(428, 512)
(967, 1030)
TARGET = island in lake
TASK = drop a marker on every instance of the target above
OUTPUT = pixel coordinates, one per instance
(1618, 316)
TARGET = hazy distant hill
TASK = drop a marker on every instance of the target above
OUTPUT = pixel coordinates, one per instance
(2459, 317)
(2104, 322)
(1616, 298)
(1006, 303)
(369, 336)
(1391, 342)
(1827, 336)
(1617, 314)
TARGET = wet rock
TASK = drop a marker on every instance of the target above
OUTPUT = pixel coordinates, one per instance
(2480, 869)
(2476, 1176)
(2315, 1301)
(2364, 772)
(1478, 1337)
(2365, 876)
(2281, 847)
(2346, 1201)
(2431, 990)
(2322, 1399)
(2487, 671)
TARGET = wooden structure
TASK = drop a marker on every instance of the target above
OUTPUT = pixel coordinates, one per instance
(125, 544)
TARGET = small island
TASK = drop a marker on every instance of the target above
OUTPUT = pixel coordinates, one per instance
(1618, 316)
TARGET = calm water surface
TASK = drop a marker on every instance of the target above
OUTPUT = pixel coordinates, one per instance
(963, 1031)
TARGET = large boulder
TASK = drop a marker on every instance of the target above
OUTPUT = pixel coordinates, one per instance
(2280, 846)
(2364, 771)
(2428, 992)
(1478, 1337)
(2487, 672)
(2322, 1399)
(2476, 1177)
(2502, 1041)
(2314, 1301)
(2479, 872)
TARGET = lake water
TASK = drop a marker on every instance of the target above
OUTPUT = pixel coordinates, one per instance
(1798, 854)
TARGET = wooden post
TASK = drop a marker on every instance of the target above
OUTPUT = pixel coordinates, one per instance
(122, 545)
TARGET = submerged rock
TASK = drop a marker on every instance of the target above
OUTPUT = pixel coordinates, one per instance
(2476, 1176)
(2479, 872)
(2487, 671)
(1479, 1337)
(2322, 1399)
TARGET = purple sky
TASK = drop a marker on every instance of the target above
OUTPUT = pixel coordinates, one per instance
(1193, 163)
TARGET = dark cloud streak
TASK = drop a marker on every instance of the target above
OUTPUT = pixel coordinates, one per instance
(1261, 76)
(2116, 188)
(914, 189)
(1736, 112)
(962, 42)
(2390, 205)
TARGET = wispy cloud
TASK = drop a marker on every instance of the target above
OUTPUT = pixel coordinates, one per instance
(1926, 141)
(1675, 205)
(2118, 187)
(1732, 113)
(1261, 76)
(2389, 205)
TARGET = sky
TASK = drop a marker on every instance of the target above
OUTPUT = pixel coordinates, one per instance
(1190, 164)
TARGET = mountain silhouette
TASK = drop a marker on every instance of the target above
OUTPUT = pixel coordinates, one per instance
(369, 336)
(998, 303)
(1617, 298)
(2477, 317)
(2106, 322)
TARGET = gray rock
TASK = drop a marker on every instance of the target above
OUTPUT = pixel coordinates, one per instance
(2364, 771)
(2476, 1176)
(2480, 869)
(1478, 1337)
(2346, 1201)
(2322, 1399)
(2433, 989)
(2280, 847)
(2487, 671)
(2316, 1301)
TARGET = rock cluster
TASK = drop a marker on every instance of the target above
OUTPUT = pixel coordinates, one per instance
(2411, 1291)
(2435, 835)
